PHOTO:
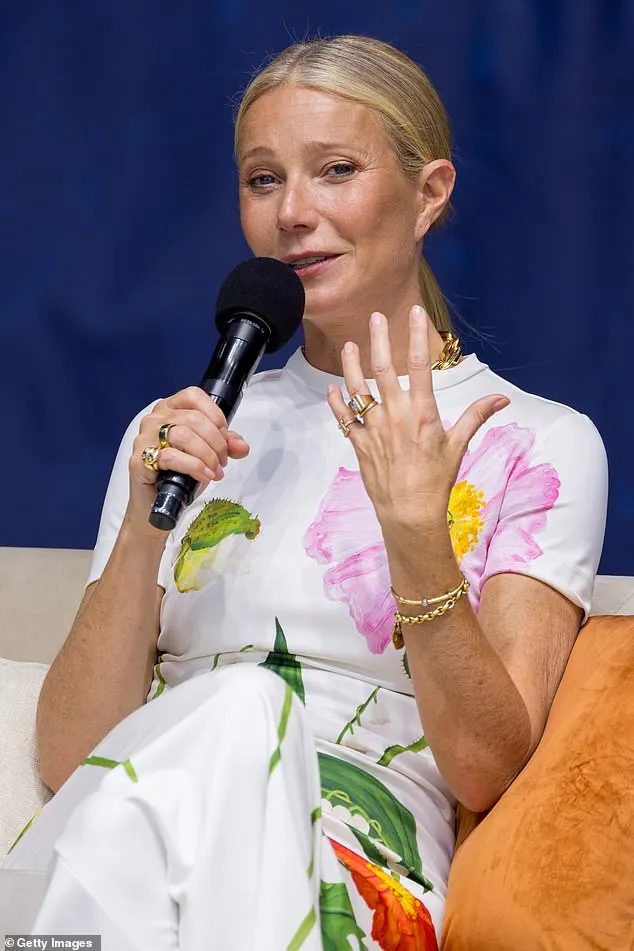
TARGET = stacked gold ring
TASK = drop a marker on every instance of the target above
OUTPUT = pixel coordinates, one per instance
(164, 433)
(150, 456)
(362, 403)
(345, 424)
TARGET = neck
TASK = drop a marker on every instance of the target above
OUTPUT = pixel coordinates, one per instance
(323, 346)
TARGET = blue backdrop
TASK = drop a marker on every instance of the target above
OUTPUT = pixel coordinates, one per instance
(119, 218)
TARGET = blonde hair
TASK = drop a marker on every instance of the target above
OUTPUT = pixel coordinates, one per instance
(376, 75)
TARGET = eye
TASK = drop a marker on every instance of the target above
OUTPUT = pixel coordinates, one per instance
(261, 180)
(342, 169)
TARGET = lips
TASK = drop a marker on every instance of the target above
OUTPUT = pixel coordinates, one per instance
(300, 262)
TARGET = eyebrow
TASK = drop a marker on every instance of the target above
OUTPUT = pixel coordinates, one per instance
(311, 148)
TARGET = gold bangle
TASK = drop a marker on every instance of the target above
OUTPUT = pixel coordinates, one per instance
(425, 602)
(448, 602)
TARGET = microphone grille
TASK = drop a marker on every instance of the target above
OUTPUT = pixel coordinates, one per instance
(268, 288)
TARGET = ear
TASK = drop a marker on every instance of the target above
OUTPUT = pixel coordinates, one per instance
(435, 185)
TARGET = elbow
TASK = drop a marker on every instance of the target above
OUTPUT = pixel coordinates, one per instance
(52, 767)
(480, 782)
(479, 799)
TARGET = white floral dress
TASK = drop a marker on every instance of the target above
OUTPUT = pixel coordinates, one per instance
(277, 790)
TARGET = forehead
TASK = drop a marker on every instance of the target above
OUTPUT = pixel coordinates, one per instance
(293, 116)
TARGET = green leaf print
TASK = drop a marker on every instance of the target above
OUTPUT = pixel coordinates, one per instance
(26, 828)
(218, 519)
(314, 816)
(390, 822)
(337, 918)
(281, 728)
(396, 750)
(303, 931)
(375, 852)
(161, 681)
(285, 664)
(111, 764)
(349, 727)
(406, 665)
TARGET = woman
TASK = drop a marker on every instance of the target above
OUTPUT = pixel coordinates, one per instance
(315, 808)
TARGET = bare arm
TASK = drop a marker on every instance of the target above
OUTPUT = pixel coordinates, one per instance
(104, 669)
(484, 685)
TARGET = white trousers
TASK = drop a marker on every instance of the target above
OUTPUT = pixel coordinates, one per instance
(209, 836)
(215, 817)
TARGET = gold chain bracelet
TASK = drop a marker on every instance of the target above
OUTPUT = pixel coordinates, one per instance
(448, 602)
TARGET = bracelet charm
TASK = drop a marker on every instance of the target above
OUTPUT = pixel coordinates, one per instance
(445, 602)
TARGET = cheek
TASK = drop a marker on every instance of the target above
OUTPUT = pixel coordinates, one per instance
(254, 224)
(375, 216)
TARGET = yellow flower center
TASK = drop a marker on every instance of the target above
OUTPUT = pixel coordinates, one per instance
(405, 899)
(464, 518)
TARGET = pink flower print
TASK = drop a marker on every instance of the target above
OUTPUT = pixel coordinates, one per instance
(347, 535)
(514, 498)
(497, 506)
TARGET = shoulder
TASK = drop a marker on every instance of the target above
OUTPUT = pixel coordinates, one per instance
(548, 420)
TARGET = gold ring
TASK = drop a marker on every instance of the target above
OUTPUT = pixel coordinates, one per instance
(150, 457)
(164, 436)
(344, 425)
(362, 403)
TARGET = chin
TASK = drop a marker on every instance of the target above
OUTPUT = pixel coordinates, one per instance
(330, 306)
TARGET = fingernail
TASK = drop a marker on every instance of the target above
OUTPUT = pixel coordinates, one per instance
(376, 319)
(224, 431)
(348, 347)
(418, 313)
(220, 473)
(501, 403)
(209, 474)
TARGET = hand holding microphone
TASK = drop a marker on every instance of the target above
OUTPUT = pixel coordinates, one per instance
(259, 307)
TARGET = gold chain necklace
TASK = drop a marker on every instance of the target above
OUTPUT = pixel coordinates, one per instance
(451, 353)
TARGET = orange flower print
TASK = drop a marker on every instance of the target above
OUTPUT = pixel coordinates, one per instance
(400, 922)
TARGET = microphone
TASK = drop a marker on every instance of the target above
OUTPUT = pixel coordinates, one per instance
(260, 306)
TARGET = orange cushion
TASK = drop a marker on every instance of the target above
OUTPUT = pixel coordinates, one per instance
(552, 865)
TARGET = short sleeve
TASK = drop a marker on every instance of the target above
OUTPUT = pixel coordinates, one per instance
(552, 517)
(116, 502)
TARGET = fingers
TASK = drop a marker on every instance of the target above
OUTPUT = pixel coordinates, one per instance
(237, 447)
(475, 416)
(381, 359)
(342, 411)
(419, 361)
(199, 441)
(192, 398)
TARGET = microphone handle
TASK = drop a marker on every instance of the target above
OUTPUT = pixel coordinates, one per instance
(237, 354)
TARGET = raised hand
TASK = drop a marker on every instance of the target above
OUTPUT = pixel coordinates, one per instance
(408, 461)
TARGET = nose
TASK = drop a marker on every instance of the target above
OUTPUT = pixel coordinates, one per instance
(297, 209)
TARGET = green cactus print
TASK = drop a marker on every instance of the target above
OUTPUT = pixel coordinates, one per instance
(337, 918)
(392, 826)
(285, 664)
(217, 520)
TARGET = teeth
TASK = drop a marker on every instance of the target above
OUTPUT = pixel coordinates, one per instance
(304, 262)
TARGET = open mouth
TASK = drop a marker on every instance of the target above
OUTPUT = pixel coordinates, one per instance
(313, 261)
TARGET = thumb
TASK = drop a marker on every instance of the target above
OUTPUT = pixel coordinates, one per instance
(475, 416)
(237, 447)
